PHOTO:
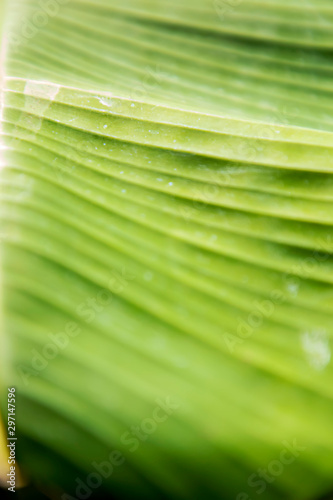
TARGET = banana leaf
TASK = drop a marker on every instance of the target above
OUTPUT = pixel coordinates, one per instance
(167, 247)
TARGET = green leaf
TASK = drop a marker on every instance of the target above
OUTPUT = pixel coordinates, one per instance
(166, 253)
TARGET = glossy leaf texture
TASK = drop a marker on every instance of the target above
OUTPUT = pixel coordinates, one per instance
(166, 205)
